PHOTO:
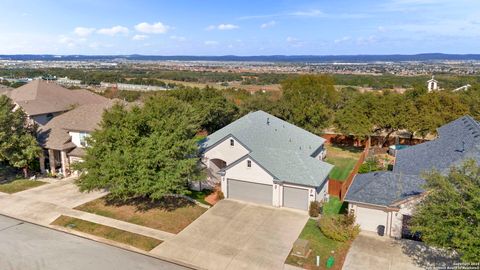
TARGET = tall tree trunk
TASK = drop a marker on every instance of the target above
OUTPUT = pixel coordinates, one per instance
(25, 172)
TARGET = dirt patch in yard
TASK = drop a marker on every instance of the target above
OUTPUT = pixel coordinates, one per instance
(171, 214)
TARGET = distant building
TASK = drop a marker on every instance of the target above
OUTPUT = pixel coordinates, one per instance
(432, 84)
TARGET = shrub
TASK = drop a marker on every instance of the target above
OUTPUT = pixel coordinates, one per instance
(220, 195)
(370, 165)
(314, 208)
(339, 227)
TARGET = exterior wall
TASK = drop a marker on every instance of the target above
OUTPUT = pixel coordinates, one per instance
(76, 138)
(322, 191)
(406, 208)
(226, 152)
(254, 174)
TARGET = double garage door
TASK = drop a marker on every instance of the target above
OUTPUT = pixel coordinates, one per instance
(263, 194)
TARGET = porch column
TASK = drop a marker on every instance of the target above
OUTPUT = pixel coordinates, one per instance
(64, 160)
(42, 162)
(51, 158)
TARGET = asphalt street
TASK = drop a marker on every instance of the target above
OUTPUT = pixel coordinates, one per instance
(24, 246)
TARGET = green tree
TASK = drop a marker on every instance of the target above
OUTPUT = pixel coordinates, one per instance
(449, 216)
(147, 151)
(309, 101)
(18, 145)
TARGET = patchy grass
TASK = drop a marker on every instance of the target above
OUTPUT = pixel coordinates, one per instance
(170, 214)
(343, 158)
(200, 195)
(20, 185)
(334, 206)
(121, 236)
(320, 246)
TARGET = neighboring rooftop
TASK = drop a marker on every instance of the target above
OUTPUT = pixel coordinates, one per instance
(84, 118)
(457, 141)
(283, 149)
(42, 97)
(384, 188)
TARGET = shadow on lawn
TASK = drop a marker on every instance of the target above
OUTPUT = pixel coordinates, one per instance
(167, 203)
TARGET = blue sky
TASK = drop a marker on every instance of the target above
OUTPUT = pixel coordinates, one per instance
(260, 27)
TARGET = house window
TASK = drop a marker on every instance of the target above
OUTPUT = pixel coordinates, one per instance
(83, 138)
(232, 142)
(249, 163)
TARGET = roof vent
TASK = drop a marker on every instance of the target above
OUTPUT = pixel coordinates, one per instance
(290, 140)
(275, 129)
(300, 147)
(268, 120)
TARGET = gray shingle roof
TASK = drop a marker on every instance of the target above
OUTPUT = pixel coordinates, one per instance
(383, 188)
(457, 141)
(283, 149)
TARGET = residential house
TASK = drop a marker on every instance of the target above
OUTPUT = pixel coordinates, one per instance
(64, 118)
(262, 159)
(64, 137)
(386, 200)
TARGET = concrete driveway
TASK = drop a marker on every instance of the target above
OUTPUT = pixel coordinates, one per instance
(369, 251)
(61, 192)
(235, 235)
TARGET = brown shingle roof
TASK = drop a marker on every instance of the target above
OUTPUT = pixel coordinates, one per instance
(86, 118)
(41, 97)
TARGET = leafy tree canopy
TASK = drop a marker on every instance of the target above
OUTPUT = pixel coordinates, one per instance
(146, 151)
(449, 216)
(18, 145)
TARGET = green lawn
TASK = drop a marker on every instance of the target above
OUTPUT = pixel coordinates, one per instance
(171, 214)
(334, 206)
(121, 236)
(321, 246)
(19, 185)
(200, 195)
(343, 158)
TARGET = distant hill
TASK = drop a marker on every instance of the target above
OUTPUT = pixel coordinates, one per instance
(260, 58)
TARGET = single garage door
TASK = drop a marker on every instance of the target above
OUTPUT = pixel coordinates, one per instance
(249, 191)
(369, 219)
(295, 198)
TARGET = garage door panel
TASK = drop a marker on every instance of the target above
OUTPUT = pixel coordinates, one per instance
(295, 198)
(369, 219)
(250, 192)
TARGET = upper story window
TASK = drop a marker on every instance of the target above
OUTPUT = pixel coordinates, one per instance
(249, 163)
(232, 142)
(83, 139)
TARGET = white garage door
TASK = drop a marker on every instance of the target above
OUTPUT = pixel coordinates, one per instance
(369, 219)
(295, 198)
(249, 191)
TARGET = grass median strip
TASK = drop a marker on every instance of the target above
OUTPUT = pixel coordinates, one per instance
(136, 240)
(19, 185)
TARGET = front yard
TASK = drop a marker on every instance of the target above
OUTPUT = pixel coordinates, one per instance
(170, 214)
(132, 239)
(343, 158)
(19, 185)
(321, 245)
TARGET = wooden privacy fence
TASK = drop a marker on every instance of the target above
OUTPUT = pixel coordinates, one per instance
(339, 188)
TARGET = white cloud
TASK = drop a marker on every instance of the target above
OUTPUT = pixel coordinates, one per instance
(341, 40)
(223, 26)
(308, 13)
(139, 37)
(155, 28)
(366, 40)
(83, 31)
(211, 43)
(178, 38)
(268, 24)
(113, 31)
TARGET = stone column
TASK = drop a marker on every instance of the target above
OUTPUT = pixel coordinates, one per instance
(51, 158)
(42, 162)
(65, 164)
